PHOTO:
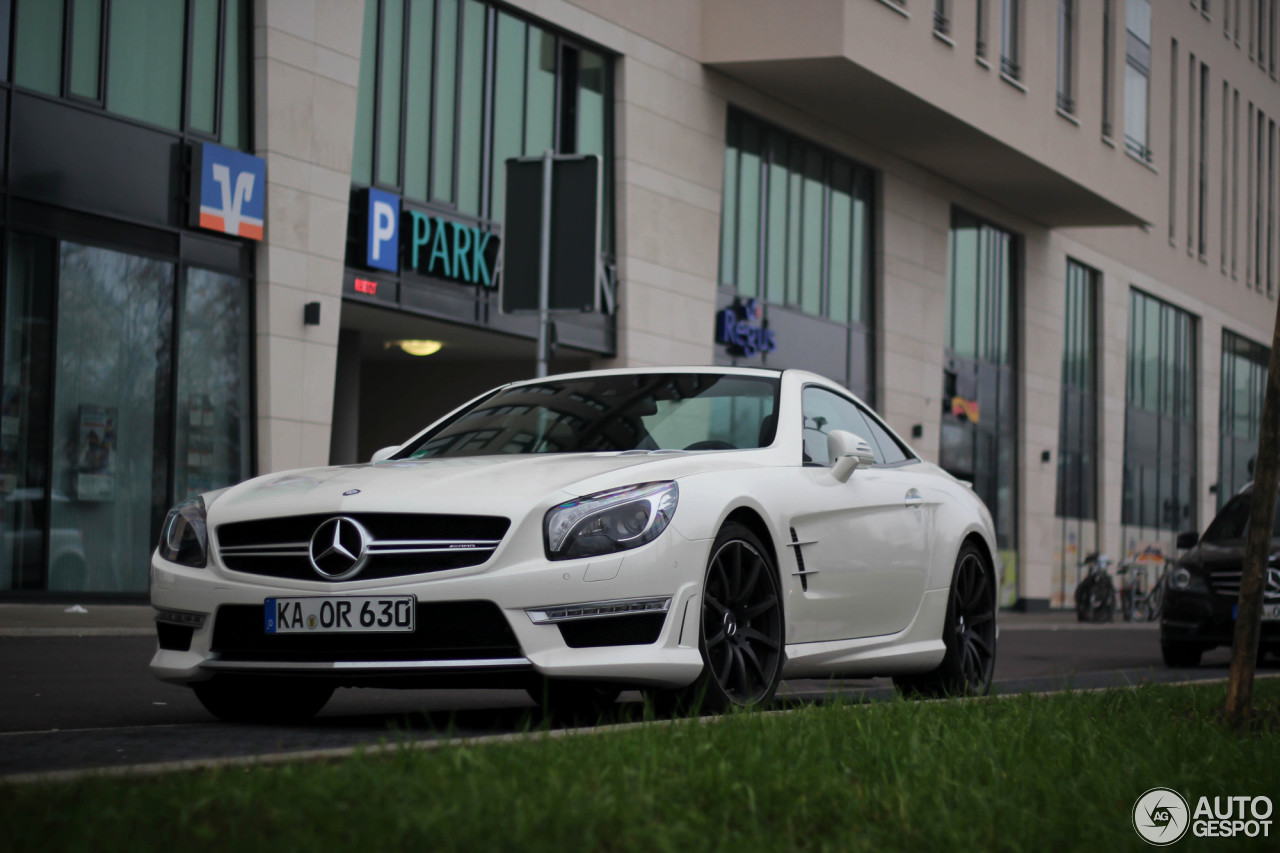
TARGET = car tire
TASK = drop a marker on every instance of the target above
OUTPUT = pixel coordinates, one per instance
(254, 699)
(741, 630)
(576, 703)
(969, 634)
(1181, 655)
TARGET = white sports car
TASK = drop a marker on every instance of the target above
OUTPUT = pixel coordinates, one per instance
(698, 533)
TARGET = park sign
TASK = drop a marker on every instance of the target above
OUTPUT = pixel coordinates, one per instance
(399, 237)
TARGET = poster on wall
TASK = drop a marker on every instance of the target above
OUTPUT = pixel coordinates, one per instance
(95, 454)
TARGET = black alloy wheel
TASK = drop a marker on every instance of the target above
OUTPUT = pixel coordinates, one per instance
(969, 634)
(741, 638)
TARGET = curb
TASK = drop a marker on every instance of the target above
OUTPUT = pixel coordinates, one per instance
(337, 753)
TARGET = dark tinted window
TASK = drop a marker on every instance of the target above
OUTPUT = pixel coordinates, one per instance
(653, 411)
(1232, 521)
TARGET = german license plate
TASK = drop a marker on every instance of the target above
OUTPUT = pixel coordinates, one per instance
(349, 614)
(1270, 612)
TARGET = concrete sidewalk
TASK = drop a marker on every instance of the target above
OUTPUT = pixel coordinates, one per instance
(135, 620)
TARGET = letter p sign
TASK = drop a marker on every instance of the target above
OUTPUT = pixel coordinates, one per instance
(383, 244)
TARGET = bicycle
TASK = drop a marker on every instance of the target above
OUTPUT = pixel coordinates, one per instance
(1137, 602)
(1096, 594)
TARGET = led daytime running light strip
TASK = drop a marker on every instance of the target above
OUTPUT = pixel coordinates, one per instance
(598, 609)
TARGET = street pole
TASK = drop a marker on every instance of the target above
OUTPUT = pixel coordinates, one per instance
(1257, 552)
(544, 269)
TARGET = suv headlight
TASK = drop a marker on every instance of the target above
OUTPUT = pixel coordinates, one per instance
(607, 522)
(184, 538)
(1184, 581)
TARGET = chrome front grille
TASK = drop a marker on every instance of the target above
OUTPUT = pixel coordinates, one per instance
(1227, 582)
(398, 544)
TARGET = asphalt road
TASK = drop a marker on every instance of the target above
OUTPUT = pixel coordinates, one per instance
(76, 702)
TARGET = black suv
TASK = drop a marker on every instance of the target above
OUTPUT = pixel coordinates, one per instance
(1204, 587)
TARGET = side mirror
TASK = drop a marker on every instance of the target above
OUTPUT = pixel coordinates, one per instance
(1187, 539)
(385, 453)
(847, 453)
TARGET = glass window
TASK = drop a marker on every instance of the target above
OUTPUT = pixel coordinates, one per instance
(417, 120)
(508, 100)
(213, 417)
(1066, 55)
(24, 417)
(749, 209)
(1244, 383)
(391, 53)
(446, 104)
(362, 152)
(977, 431)
(540, 93)
(470, 114)
(145, 73)
(1077, 413)
(814, 231)
(842, 242)
(37, 46)
(1160, 422)
(1137, 73)
(1010, 54)
(729, 205)
(110, 428)
(204, 65)
(236, 98)
(809, 211)
(776, 225)
(86, 46)
(593, 131)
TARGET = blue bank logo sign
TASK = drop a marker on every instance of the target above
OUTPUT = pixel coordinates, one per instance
(431, 245)
(739, 327)
(231, 187)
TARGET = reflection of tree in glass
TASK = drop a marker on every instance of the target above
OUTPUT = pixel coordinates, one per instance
(115, 318)
(213, 363)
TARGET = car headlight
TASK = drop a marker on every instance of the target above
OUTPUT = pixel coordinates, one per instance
(607, 522)
(1183, 581)
(184, 538)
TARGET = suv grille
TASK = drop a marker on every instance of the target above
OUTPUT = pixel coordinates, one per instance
(448, 630)
(400, 544)
(1228, 583)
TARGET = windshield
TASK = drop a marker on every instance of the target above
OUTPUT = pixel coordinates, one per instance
(649, 411)
(1232, 521)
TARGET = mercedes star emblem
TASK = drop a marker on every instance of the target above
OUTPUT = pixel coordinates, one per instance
(339, 548)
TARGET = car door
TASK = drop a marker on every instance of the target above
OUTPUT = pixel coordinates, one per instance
(864, 544)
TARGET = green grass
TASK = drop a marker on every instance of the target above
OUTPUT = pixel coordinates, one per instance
(1026, 773)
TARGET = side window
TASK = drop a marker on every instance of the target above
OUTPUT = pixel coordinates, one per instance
(825, 411)
(889, 447)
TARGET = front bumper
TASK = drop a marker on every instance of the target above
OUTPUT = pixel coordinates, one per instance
(475, 626)
(1207, 620)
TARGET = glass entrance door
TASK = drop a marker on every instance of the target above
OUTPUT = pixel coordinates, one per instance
(110, 417)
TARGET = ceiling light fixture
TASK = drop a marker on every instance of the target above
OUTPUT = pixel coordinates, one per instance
(416, 347)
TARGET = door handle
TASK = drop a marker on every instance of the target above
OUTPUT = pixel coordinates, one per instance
(913, 500)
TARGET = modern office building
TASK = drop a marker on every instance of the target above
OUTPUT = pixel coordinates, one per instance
(1039, 236)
